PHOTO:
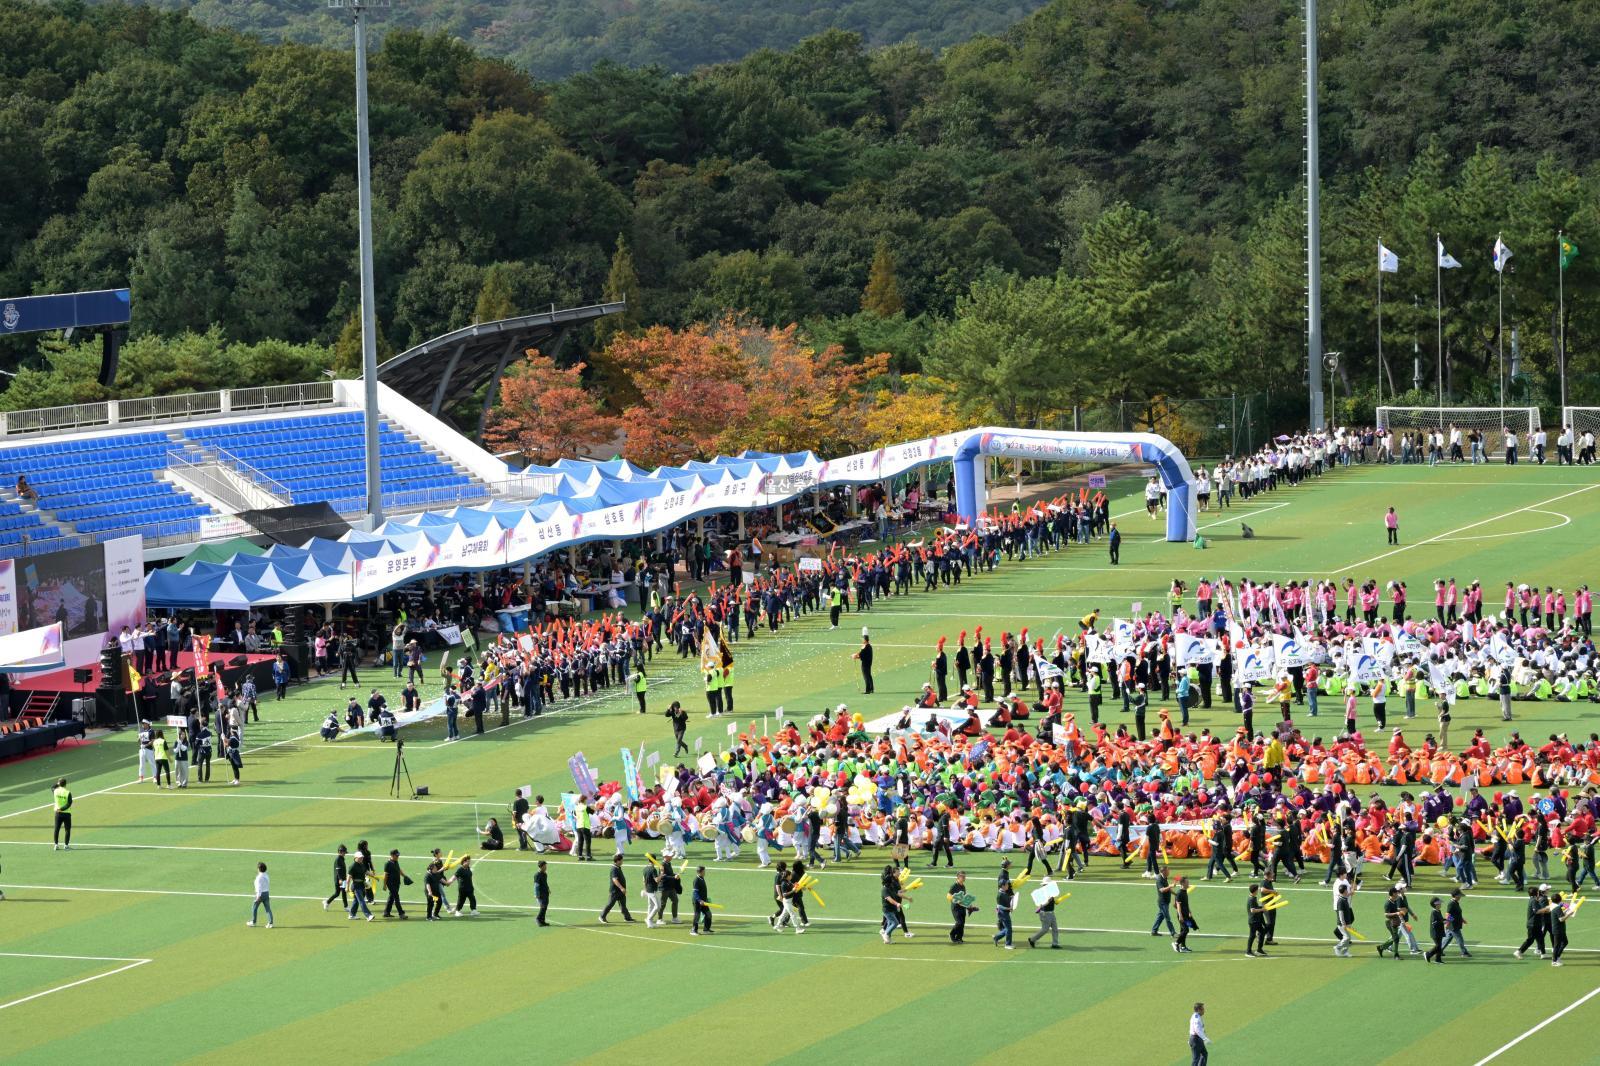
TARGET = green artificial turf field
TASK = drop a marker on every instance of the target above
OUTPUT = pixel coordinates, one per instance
(133, 945)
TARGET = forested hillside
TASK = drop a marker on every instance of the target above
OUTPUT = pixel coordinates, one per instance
(1099, 205)
(561, 37)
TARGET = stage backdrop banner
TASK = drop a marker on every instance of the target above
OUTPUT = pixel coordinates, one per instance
(90, 593)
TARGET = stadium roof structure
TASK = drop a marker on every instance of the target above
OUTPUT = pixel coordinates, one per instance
(439, 373)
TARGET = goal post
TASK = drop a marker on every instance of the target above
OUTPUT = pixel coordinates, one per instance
(1581, 419)
(1522, 420)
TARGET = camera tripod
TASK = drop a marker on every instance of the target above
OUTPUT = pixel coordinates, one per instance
(399, 769)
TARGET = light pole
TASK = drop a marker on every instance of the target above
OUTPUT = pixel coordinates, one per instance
(1313, 226)
(357, 10)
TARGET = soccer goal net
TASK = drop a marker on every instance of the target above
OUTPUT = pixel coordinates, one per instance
(1581, 419)
(1521, 420)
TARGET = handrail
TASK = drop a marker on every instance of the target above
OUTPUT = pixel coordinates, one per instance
(148, 409)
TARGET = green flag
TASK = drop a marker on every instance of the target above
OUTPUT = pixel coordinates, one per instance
(1569, 252)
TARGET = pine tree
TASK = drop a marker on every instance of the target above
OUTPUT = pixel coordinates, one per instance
(622, 284)
(494, 299)
(347, 349)
(882, 294)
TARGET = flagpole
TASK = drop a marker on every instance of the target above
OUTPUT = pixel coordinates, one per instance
(1438, 319)
(1561, 317)
(1500, 331)
(1380, 324)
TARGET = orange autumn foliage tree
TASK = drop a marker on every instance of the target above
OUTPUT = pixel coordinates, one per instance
(726, 387)
(547, 414)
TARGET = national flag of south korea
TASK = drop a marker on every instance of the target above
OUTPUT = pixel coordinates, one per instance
(1501, 254)
(1388, 262)
(1446, 260)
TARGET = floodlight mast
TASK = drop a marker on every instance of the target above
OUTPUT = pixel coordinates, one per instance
(357, 11)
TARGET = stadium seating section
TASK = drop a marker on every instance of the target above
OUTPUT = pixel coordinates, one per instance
(112, 486)
(106, 486)
(320, 458)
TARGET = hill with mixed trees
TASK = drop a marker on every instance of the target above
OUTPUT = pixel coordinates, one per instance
(561, 37)
(1097, 207)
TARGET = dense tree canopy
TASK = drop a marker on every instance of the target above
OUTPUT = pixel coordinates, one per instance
(1103, 199)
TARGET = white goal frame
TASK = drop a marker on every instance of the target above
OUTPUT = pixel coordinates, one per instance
(1522, 419)
(1570, 416)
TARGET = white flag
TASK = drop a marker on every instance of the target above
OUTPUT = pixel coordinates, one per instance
(1446, 260)
(1388, 262)
(1501, 254)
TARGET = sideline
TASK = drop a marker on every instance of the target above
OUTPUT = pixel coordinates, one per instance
(130, 965)
(1564, 1011)
(1462, 529)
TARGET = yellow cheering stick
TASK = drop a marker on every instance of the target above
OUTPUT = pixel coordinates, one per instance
(816, 897)
(1352, 931)
(914, 885)
(1018, 882)
(652, 859)
(1276, 905)
(805, 882)
(714, 906)
(1574, 903)
(450, 860)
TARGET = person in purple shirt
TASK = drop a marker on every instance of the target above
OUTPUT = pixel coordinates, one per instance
(1511, 806)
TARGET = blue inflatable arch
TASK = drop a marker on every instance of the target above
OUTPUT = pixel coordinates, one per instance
(1158, 452)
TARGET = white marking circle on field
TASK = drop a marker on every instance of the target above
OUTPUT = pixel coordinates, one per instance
(1566, 519)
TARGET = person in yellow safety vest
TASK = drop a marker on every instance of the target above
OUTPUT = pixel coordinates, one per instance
(714, 691)
(727, 689)
(835, 605)
(640, 685)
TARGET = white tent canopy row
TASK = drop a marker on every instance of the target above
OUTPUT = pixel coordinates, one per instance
(616, 500)
(592, 501)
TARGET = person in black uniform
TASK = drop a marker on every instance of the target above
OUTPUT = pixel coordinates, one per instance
(1125, 832)
(941, 673)
(1258, 843)
(519, 807)
(671, 889)
(1393, 916)
(393, 878)
(1152, 845)
(541, 891)
(464, 894)
(1141, 703)
(963, 662)
(1436, 931)
(864, 657)
(1256, 915)
(700, 898)
(618, 890)
(941, 838)
(1457, 923)
(1163, 903)
(1269, 915)
(959, 910)
(680, 722)
(339, 876)
(1537, 914)
(1556, 917)
(1186, 921)
(433, 890)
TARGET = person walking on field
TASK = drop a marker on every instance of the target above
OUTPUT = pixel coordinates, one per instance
(263, 896)
(1391, 522)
